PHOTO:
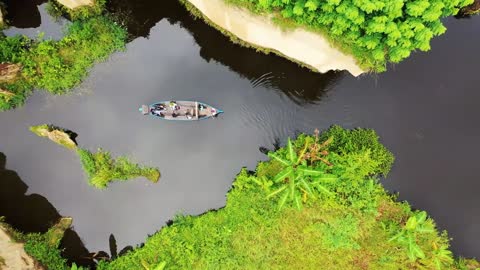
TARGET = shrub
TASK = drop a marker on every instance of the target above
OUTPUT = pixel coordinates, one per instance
(102, 169)
(57, 66)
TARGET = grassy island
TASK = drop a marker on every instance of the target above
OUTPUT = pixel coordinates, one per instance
(57, 66)
(375, 32)
(100, 167)
(316, 204)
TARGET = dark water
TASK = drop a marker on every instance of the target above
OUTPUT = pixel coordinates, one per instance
(425, 110)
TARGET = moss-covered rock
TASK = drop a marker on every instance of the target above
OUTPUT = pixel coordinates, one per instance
(58, 135)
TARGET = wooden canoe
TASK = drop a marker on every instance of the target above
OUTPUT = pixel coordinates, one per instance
(180, 110)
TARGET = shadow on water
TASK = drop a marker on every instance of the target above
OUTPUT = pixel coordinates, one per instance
(268, 71)
(23, 13)
(34, 213)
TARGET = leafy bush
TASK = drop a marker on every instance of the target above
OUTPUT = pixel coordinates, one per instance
(58, 65)
(357, 141)
(350, 230)
(102, 169)
(374, 31)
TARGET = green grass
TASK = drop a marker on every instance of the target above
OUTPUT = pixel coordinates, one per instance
(358, 226)
(101, 169)
(43, 247)
(58, 66)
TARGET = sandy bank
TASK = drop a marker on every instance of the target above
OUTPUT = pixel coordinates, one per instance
(73, 4)
(303, 46)
(13, 254)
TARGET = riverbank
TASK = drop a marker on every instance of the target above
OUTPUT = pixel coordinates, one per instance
(57, 66)
(32, 251)
(13, 255)
(373, 35)
(316, 204)
(301, 46)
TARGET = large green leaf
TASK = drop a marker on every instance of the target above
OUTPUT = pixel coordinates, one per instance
(325, 178)
(411, 223)
(304, 150)
(283, 174)
(323, 189)
(283, 200)
(309, 171)
(279, 159)
(277, 191)
(298, 201)
(306, 186)
(291, 152)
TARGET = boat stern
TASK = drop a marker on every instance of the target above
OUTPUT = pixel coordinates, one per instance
(144, 109)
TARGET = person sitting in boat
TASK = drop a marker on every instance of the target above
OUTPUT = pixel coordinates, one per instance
(174, 106)
(154, 111)
(213, 111)
(188, 114)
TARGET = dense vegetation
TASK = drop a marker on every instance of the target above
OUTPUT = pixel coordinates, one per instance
(374, 31)
(44, 247)
(57, 66)
(102, 169)
(316, 204)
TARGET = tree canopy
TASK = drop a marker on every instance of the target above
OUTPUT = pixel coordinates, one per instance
(374, 31)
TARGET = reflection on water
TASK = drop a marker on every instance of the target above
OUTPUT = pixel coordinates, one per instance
(23, 13)
(26, 18)
(417, 107)
(267, 71)
(34, 213)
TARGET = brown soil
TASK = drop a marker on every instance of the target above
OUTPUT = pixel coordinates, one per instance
(471, 9)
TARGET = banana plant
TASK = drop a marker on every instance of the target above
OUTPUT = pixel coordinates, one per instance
(416, 224)
(297, 181)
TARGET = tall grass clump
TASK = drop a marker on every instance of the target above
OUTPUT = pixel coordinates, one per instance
(375, 32)
(316, 204)
(58, 66)
(102, 169)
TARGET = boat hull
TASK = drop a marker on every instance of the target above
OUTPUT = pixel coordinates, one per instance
(180, 110)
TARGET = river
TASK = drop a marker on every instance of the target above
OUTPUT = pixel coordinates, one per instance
(425, 110)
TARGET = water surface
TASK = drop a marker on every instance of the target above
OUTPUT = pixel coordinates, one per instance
(425, 110)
